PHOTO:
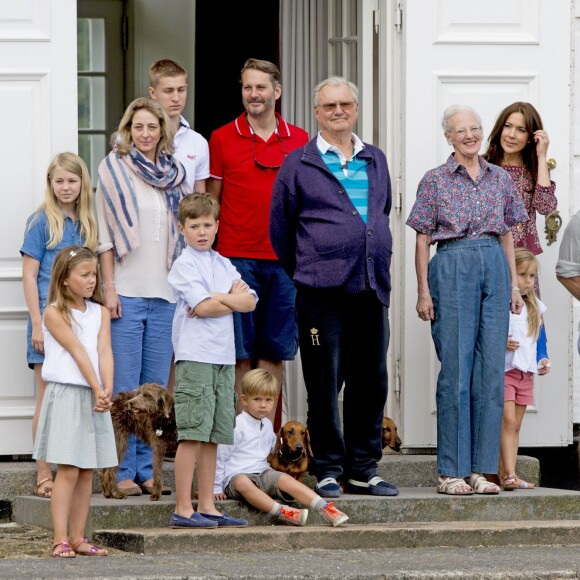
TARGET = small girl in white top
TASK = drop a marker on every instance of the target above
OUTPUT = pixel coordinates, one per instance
(75, 430)
(526, 355)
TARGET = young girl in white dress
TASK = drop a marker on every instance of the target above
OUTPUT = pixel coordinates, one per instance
(75, 430)
(526, 356)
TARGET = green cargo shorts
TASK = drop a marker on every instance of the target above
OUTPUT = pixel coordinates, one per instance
(205, 402)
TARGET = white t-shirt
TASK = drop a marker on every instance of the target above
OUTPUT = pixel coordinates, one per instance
(253, 441)
(524, 357)
(192, 149)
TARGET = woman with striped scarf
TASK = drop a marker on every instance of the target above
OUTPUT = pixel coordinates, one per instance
(139, 188)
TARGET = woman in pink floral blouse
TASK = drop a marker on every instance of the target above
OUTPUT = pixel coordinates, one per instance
(519, 144)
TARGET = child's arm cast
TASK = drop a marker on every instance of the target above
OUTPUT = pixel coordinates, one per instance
(542, 352)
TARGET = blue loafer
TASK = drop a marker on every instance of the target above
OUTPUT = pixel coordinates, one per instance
(376, 485)
(225, 521)
(328, 487)
(194, 521)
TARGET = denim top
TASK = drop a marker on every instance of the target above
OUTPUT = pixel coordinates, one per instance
(36, 238)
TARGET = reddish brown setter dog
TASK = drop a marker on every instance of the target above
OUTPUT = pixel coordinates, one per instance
(148, 413)
(292, 453)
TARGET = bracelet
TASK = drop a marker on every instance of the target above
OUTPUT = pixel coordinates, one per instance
(516, 289)
(108, 283)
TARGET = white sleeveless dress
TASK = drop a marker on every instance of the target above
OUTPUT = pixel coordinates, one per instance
(69, 431)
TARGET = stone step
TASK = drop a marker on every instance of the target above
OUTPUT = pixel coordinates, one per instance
(412, 505)
(18, 478)
(284, 538)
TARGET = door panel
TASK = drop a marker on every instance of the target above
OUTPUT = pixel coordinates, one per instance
(37, 94)
(486, 56)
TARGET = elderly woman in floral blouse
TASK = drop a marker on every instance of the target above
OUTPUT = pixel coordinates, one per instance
(519, 144)
(468, 207)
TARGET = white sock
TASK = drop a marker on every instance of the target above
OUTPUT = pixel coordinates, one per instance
(318, 503)
(275, 511)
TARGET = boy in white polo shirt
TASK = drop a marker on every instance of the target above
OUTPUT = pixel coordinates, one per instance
(168, 86)
(207, 290)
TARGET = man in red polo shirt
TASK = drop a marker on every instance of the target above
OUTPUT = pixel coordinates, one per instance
(245, 155)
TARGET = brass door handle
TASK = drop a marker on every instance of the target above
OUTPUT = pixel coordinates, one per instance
(553, 225)
(551, 164)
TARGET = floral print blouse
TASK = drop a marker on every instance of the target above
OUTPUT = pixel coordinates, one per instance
(542, 200)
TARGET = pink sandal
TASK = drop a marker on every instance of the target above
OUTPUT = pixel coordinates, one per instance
(65, 551)
(92, 550)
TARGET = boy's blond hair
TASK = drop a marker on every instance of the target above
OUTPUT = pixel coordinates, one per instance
(164, 68)
(259, 382)
(196, 205)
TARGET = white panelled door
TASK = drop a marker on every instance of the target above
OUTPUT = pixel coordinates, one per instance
(486, 55)
(38, 104)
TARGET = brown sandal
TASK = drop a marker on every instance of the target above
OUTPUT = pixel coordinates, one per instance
(523, 484)
(92, 550)
(510, 482)
(65, 552)
(43, 488)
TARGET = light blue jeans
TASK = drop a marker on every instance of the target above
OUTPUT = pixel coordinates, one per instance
(470, 286)
(142, 352)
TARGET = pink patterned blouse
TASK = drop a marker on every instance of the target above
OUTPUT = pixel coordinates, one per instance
(542, 200)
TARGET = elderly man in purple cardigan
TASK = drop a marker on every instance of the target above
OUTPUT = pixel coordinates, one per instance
(329, 226)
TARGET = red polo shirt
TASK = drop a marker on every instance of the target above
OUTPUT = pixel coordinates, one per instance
(234, 152)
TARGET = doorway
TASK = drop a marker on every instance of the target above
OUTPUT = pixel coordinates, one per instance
(244, 32)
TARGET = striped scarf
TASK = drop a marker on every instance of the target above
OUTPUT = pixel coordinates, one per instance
(116, 174)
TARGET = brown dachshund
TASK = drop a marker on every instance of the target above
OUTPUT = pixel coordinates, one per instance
(292, 453)
(391, 441)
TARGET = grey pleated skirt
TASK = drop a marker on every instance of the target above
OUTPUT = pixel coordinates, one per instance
(69, 432)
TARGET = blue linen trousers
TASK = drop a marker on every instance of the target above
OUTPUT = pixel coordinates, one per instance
(469, 283)
(142, 351)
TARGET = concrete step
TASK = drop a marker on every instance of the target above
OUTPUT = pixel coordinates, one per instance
(18, 478)
(412, 505)
(283, 538)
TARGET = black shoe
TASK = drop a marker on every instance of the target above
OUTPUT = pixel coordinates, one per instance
(328, 487)
(376, 485)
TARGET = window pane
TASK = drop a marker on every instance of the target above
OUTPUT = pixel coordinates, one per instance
(92, 149)
(83, 46)
(91, 103)
(91, 44)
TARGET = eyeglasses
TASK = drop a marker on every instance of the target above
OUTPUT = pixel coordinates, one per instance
(261, 165)
(331, 107)
(461, 133)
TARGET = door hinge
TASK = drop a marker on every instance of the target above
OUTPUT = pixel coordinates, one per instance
(376, 19)
(398, 203)
(399, 16)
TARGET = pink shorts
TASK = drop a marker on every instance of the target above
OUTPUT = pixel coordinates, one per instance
(519, 387)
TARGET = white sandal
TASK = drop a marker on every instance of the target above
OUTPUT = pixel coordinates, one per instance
(453, 486)
(482, 485)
